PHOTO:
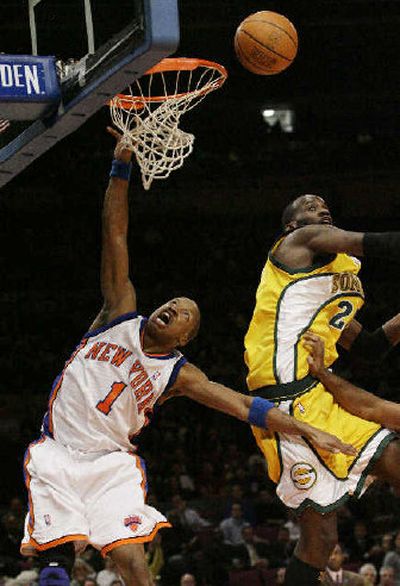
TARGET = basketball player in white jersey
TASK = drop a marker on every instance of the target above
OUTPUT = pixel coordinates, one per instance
(85, 482)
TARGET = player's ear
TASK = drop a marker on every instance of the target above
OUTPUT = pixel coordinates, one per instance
(183, 339)
(292, 225)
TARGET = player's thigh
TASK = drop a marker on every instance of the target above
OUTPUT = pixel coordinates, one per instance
(56, 510)
(318, 537)
(115, 503)
(131, 564)
(387, 466)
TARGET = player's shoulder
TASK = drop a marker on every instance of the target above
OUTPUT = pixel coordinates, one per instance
(190, 373)
(132, 316)
(189, 369)
(305, 233)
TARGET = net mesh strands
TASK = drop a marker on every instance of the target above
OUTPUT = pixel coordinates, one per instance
(4, 124)
(149, 115)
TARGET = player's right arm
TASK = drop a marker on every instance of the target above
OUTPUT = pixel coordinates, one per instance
(193, 383)
(371, 347)
(300, 247)
(355, 400)
(117, 289)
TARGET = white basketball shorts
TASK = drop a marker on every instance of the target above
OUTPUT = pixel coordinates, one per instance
(85, 498)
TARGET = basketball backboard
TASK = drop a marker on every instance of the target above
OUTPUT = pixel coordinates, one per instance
(100, 48)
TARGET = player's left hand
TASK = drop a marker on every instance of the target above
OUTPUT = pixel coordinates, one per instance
(121, 153)
(330, 443)
(316, 347)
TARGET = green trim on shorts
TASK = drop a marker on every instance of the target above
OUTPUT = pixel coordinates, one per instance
(316, 454)
(360, 485)
(319, 508)
(379, 450)
(278, 446)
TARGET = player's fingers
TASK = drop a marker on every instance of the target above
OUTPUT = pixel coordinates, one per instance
(312, 339)
(310, 347)
(310, 334)
(311, 364)
(347, 449)
(113, 132)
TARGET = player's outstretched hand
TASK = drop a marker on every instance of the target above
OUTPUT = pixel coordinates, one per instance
(120, 152)
(325, 441)
(316, 347)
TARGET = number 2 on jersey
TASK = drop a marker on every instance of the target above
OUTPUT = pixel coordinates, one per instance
(106, 404)
(337, 321)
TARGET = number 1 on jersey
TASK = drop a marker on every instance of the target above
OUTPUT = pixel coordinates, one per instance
(106, 404)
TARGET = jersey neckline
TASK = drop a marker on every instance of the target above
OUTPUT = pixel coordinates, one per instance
(148, 354)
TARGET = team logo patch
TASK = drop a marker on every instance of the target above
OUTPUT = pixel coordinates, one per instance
(133, 521)
(303, 475)
(156, 375)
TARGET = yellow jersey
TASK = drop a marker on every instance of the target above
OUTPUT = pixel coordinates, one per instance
(323, 298)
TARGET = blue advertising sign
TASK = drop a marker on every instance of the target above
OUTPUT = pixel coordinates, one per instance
(28, 86)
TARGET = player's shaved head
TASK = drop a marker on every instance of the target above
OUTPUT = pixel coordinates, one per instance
(296, 206)
(289, 213)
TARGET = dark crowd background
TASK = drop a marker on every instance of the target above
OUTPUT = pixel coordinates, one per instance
(205, 233)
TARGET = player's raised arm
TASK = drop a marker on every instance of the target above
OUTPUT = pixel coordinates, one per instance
(355, 400)
(117, 290)
(310, 233)
(193, 383)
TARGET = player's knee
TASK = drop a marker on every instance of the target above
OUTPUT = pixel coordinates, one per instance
(320, 535)
(134, 571)
(328, 538)
(387, 467)
(134, 574)
(56, 565)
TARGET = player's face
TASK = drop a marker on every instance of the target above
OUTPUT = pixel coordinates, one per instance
(174, 321)
(312, 209)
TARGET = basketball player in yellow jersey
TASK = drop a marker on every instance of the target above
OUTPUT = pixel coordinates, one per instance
(310, 282)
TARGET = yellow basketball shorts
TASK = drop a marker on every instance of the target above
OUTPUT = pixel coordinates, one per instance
(306, 476)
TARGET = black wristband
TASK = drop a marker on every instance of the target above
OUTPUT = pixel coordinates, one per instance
(371, 347)
(382, 244)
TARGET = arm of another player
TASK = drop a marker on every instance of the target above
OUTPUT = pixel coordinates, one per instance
(355, 400)
(193, 383)
(371, 346)
(300, 247)
(118, 292)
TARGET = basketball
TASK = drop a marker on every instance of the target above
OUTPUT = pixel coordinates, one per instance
(266, 42)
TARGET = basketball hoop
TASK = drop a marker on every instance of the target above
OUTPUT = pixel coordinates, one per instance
(4, 124)
(149, 115)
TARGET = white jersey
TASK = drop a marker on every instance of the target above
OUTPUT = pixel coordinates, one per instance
(108, 388)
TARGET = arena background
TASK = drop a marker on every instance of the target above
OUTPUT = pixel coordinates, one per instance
(204, 232)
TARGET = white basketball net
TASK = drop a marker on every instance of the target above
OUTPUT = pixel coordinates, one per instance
(149, 115)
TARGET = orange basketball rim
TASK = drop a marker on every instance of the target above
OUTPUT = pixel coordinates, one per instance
(149, 115)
